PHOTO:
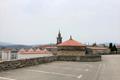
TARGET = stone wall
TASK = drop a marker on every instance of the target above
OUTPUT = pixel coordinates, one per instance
(8, 65)
(71, 53)
(87, 58)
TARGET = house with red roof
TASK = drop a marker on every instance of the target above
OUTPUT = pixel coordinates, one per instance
(71, 47)
(33, 53)
(12, 54)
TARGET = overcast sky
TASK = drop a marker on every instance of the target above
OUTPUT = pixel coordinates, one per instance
(38, 21)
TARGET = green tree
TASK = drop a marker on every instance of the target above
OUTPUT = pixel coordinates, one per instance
(111, 47)
(94, 45)
(114, 48)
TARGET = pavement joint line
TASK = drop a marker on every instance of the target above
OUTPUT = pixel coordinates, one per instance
(62, 74)
(80, 76)
(5, 78)
(98, 70)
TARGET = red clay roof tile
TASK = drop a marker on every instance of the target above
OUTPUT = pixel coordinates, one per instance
(70, 42)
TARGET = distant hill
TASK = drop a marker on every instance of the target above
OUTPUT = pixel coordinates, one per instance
(4, 44)
(10, 45)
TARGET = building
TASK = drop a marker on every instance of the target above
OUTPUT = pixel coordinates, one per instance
(59, 38)
(71, 47)
(49, 47)
(98, 50)
(13, 54)
(0, 55)
(118, 49)
(33, 53)
(8, 54)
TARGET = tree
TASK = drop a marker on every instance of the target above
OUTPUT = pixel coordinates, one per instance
(115, 49)
(111, 47)
(94, 45)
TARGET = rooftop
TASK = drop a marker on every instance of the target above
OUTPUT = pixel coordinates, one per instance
(71, 42)
(34, 51)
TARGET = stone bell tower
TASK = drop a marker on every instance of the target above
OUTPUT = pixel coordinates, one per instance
(59, 38)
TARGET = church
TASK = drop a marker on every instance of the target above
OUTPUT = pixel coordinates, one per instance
(71, 47)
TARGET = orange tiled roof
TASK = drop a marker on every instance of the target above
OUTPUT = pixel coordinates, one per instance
(31, 51)
(70, 42)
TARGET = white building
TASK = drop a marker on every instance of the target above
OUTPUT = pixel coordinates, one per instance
(0, 55)
(10, 54)
(33, 53)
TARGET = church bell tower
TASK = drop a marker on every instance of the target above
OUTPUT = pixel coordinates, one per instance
(59, 38)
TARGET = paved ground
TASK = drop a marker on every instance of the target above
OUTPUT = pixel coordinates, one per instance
(108, 69)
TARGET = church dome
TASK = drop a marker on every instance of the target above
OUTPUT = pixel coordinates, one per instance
(71, 42)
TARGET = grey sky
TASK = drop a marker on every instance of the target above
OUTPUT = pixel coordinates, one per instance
(38, 21)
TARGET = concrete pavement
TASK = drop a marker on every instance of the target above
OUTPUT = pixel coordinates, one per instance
(110, 68)
(107, 69)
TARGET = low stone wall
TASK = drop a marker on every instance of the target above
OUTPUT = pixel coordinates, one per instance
(87, 58)
(90, 58)
(8, 65)
(111, 53)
